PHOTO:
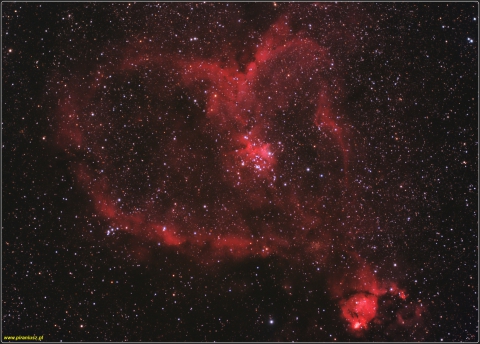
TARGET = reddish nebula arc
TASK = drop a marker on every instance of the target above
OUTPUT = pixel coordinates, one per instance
(215, 161)
(238, 117)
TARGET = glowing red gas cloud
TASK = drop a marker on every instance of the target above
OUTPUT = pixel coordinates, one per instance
(201, 155)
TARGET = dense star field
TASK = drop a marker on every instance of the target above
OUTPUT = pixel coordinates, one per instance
(240, 171)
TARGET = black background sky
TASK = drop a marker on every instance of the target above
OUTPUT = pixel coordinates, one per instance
(410, 96)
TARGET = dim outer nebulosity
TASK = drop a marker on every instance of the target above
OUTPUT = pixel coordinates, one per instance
(210, 149)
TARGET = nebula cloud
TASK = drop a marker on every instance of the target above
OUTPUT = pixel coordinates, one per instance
(233, 157)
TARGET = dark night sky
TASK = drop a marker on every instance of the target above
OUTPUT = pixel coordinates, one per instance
(240, 171)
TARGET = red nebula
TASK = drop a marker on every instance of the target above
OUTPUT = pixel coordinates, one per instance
(240, 110)
(359, 310)
(206, 158)
(358, 290)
